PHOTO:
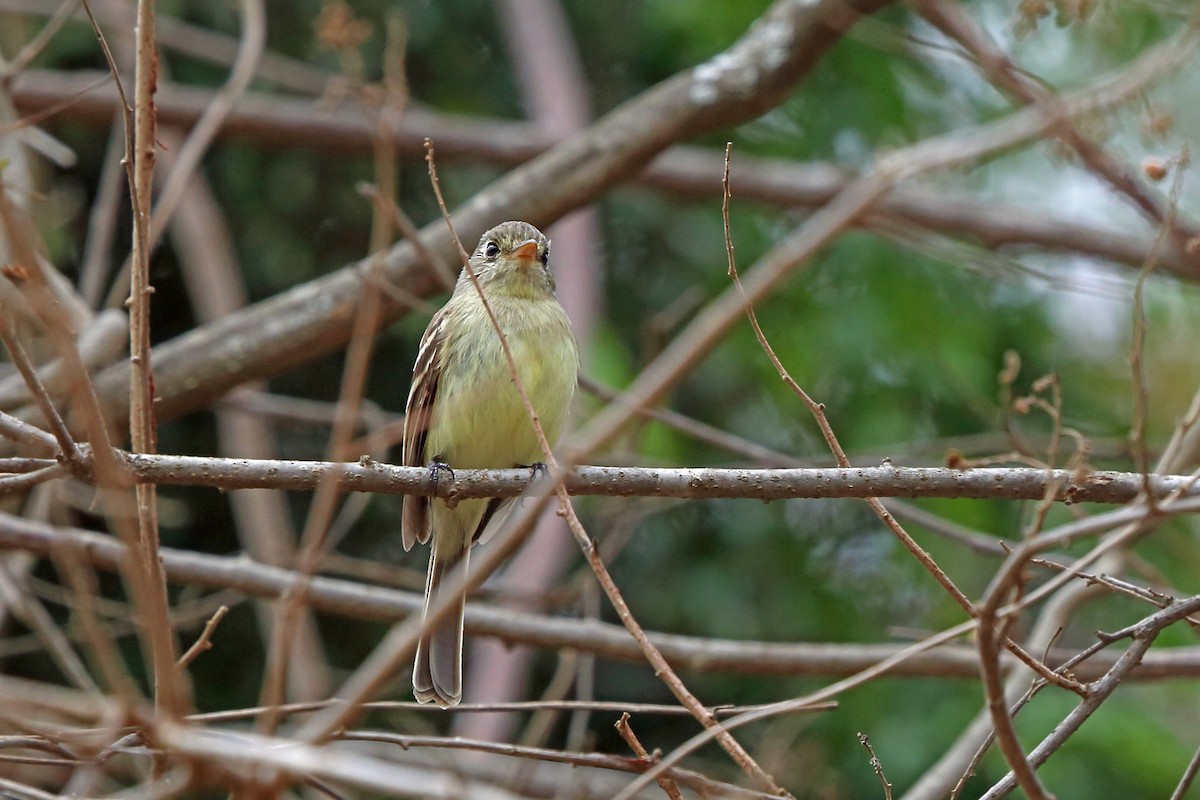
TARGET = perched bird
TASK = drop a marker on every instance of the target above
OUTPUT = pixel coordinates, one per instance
(464, 412)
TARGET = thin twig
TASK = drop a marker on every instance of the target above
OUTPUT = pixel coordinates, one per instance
(876, 765)
(401, 221)
(23, 482)
(1143, 634)
(1188, 776)
(999, 69)
(38, 43)
(872, 672)
(1141, 392)
(492, 708)
(818, 409)
(20, 431)
(204, 642)
(20, 359)
(702, 785)
(34, 615)
(171, 692)
(189, 156)
(314, 538)
(626, 731)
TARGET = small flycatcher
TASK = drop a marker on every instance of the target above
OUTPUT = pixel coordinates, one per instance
(464, 412)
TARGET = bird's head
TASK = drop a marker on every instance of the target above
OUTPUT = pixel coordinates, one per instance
(514, 258)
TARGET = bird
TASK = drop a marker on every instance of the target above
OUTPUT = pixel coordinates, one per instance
(464, 412)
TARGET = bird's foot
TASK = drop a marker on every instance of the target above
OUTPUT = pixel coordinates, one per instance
(436, 468)
(538, 470)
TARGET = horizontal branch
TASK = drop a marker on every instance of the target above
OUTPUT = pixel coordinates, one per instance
(280, 121)
(692, 483)
(360, 601)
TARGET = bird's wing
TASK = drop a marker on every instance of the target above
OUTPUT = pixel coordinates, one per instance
(418, 413)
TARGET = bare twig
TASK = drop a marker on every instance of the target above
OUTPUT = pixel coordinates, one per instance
(171, 694)
(20, 431)
(951, 19)
(18, 484)
(66, 442)
(875, 765)
(669, 787)
(30, 611)
(188, 157)
(988, 641)
(491, 708)
(699, 783)
(877, 669)
(38, 43)
(204, 642)
(1188, 776)
(314, 538)
(1143, 634)
(100, 344)
(1141, 392)
(818, 409)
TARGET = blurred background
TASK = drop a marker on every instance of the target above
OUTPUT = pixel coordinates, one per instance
(901, 329)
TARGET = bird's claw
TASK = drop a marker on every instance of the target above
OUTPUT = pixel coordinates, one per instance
(436, 468)
(538, 469)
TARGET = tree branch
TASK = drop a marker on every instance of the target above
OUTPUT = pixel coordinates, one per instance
(691, 172)
(308, 321)
(694, 483)
(361, 601)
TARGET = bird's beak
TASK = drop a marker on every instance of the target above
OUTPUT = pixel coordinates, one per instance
(526, 252)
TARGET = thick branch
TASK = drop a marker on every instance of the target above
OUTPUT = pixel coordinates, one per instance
(272, 337)
(275, 121)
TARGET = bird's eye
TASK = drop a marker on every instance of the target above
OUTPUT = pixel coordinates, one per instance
(544, 257)
(491, 250)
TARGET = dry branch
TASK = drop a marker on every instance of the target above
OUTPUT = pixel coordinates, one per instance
(308, 321)
(690, 172)
(360, 601)
(1143, 635)
(688, 482)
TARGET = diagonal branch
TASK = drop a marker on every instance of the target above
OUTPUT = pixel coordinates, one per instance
(754, 74)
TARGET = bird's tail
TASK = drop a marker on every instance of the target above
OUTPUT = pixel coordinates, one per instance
(437, 673)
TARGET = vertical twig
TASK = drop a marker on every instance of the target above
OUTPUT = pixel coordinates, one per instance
(189, 155)
(169, 692)
(544, 58)
(876, 765)
(354, 379)
(1141, 399)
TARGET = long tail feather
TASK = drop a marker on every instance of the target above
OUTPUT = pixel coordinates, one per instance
(437, 673)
